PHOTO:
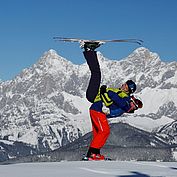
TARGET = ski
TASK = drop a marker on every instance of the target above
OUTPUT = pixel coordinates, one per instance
(106, 159)
(90, 159)
(137, 41)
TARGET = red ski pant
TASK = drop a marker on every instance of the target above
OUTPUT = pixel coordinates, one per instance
(101, 129)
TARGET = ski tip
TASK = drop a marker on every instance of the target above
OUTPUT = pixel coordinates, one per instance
(140, 42)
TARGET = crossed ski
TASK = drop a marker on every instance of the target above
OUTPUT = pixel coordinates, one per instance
(137, 41)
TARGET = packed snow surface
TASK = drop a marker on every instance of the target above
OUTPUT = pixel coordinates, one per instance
(91, 169)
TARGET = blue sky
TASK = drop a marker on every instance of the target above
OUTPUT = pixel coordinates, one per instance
(28, 26)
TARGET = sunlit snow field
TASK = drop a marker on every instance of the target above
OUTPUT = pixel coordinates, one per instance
(90, 169)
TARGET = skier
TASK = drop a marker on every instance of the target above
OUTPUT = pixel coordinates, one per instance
(118, 101)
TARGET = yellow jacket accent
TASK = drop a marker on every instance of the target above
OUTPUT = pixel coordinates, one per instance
(105, 98)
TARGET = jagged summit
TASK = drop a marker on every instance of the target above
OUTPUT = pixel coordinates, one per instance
(143, 54)
(51, 57)
(52, 51)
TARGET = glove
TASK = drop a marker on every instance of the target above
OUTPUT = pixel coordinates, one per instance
(138, 102)
(133, 107)
(103, 89)
(105, 110)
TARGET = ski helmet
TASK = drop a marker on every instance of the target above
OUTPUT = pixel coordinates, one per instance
(131, 86)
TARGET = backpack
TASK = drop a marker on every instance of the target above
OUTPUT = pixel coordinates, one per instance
(103, 95)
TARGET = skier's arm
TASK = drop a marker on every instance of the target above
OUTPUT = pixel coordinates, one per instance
(123, 103)
(115, 113)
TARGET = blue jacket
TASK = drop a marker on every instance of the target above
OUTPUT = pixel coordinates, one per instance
(119, 106)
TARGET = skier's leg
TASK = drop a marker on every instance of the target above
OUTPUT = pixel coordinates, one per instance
(95, 79)
(101, 133)
(99, 120)
(94, 134)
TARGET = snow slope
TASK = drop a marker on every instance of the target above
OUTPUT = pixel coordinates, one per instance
(91, 169)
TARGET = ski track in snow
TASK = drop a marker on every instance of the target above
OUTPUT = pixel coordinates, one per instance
(90, 169)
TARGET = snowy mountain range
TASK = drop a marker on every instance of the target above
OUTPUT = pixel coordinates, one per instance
(45, 105)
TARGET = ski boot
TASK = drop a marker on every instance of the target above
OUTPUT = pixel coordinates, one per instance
(90, 46)
(94, 157)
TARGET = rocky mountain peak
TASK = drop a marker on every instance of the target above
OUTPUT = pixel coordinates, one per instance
(143, 56)
(52, 59)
